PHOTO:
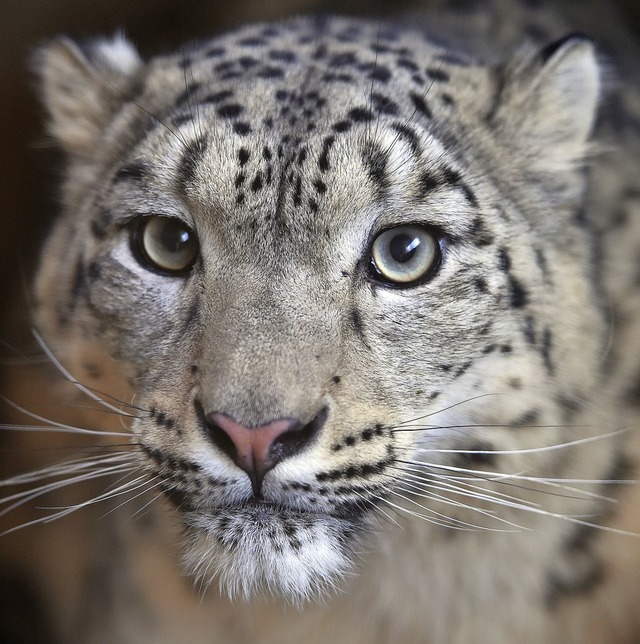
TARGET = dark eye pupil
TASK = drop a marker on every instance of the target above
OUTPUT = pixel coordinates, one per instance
(403, 247)
(174, 237)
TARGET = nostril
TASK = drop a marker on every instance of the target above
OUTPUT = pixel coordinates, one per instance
(297, 439)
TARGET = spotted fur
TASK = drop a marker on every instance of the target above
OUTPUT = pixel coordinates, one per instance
(463, 435)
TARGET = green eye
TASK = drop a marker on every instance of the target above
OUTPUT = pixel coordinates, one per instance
(404, 255)
(165, 244)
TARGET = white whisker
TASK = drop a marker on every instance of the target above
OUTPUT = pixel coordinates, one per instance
(60, 426)
(63, 469)
(85, 390)
(458, 504)
(529, 450)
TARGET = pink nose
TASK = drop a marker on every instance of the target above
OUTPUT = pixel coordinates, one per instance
(259, 449)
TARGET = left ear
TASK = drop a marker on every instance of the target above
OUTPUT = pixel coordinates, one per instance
(83, 86)
(549, 102)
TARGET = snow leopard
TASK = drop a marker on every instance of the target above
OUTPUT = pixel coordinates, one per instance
(354, 304)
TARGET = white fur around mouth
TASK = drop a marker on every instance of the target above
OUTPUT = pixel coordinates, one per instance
(261, 548)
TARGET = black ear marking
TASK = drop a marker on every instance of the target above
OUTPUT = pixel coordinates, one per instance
(548, 52)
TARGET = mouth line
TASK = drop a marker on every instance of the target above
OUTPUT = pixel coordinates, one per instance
(352, 513)
(271, 507)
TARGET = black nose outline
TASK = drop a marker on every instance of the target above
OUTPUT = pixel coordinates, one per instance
(291, 442)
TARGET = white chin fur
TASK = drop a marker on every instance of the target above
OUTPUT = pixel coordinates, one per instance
(254, 551)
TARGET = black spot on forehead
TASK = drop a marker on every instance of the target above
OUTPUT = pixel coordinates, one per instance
(282, 55)
(270, 31)
(323, 161)
(252, 42)
(215, 52)
(224, 66)
(243, 156)
(437, 74)
(409, 135)
(230, 110)
(247, 62)
(342, 126)
(343, 60)
(360, 114)
(504, 260)
(349, 34)
(479, 233)
(217, 97)
(376, 161)
(191, 158)
(136, 170)
(242, 128)
(426, 183)
(320, 186)
(546, 350)
(377, 72)
(337, 78)
(518, 295)
(180, 119)
(270, 71)
(257, 182)
(384, 105)
(188, 93)
(420, 105)
(407, 64)
(447, 100)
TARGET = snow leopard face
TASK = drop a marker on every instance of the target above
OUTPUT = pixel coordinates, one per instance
(327, 256)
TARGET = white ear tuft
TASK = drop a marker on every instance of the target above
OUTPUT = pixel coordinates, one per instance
(552, 101)
(118, 54)
(84, 86)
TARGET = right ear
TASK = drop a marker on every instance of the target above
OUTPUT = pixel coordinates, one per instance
(83, 87)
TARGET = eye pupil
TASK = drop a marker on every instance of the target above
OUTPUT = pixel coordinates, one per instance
(403, 247)
(174, 237)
